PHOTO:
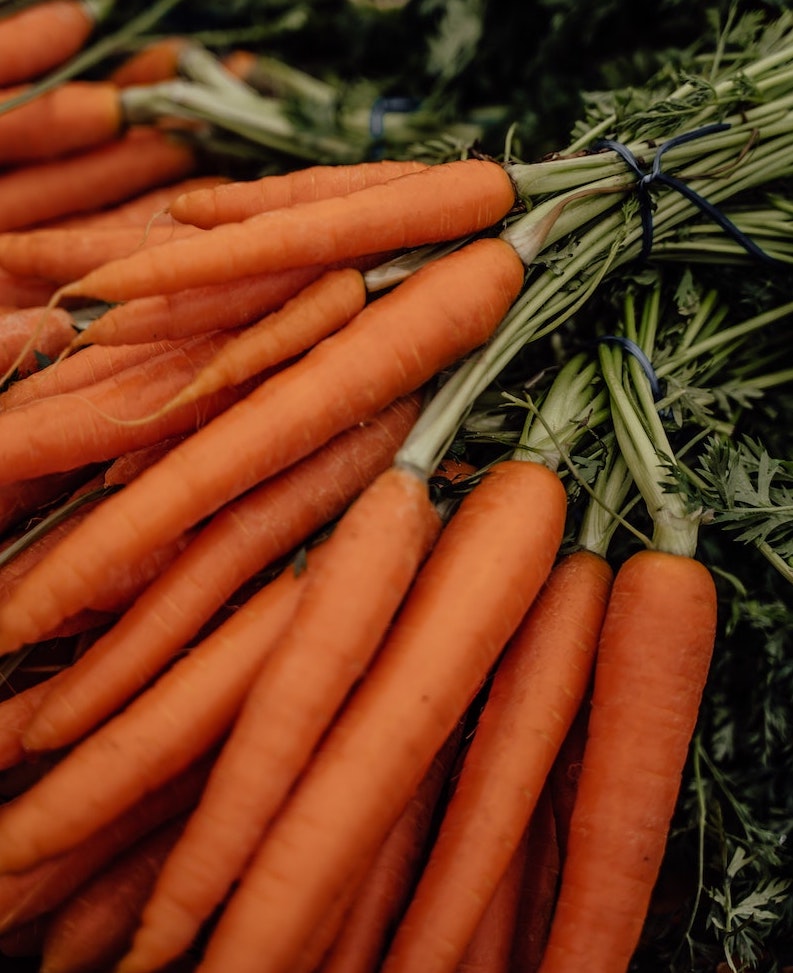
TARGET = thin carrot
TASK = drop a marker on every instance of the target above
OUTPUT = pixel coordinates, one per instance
(23, 498)
(147, 743)
(243, 538)
(42, 36)
(47, 330)
(15, 713)
(61, 432)
(651, 668)
(468, 599)
(196, 310)
(236, 201)
(438, 203)
(385, 890)
(388, 350)
(347, 603)
(29, 894)
(62, 254)
(138, 160)
(537, 689)
(94, 926)
(74, 116)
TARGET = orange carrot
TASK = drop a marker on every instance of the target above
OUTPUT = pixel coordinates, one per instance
(196, 310)
(387, 351)
(381, 897)
(236, 201)
(240, 540)
(437, 203)
(90, 367)
(563, 780)
(61, 432)
(15, 713)
(148, 743)
(74, 116)
(24, 292)
(138, 160)
(29, 894)
(347, 603)
(94, 926)
(32, 332)
(537, 689)
(62, 254)
(651, 668)
(157, 61)
(22, 498)
(42, 36)
(467, 601)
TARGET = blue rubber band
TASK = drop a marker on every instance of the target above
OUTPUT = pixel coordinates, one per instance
(647, 366)
(383, 106)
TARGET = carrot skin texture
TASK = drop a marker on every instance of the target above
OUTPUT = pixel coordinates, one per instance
(651, 669)
(347, 603)
(238, 201)
(448, 634)
(386, 352)
(537, 689)
(41, 37)
(438, 203)
(24, 291)
(241, 539)
(50, 329)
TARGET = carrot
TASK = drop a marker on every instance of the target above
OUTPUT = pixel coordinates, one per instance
(15, 713)
(74, 116)
(196, 310)
(157, 61)
(61, 432)
(537, 689)
(565, 773)
(26, 895)
(466, 602)
(236, 201)
(651, 668)
(381, 897)
(90, 367)
(93, 927)
(42, 36)
(61, 254)
(437, 203)
(24, 292)
(46, 330)
(23, 498)
(387, 351)
(347, 603)
(148, 742)
(138, 160)
(321, 308)
(240, 540)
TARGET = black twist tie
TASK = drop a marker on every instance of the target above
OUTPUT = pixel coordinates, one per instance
(656, 175)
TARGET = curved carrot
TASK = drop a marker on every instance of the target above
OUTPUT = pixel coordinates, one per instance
(243, 538)
(15, 713)
(388, 350)
(236, 201)
(42, 36)
(31, 332)
(537, 689)
(652, 663)
(438, 203)
(348, 601)
(146, 744)
(74, 116)
(468, 599)
(138, 160)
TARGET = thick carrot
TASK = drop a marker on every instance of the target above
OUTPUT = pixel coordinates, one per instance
(24, 292)
(652, 664)
(62, 432)
(62, 254)
(537, 689)
(29, 333)
(138, 160)
(347, 604)
(240, 540)
(438, 203)
(388, 350)
(74, 116)
(382, 895)
(468, 599)
(42, 36)
(196, 310)
(93, 927)
(147, 743)
(236, 201)
(29, 894)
